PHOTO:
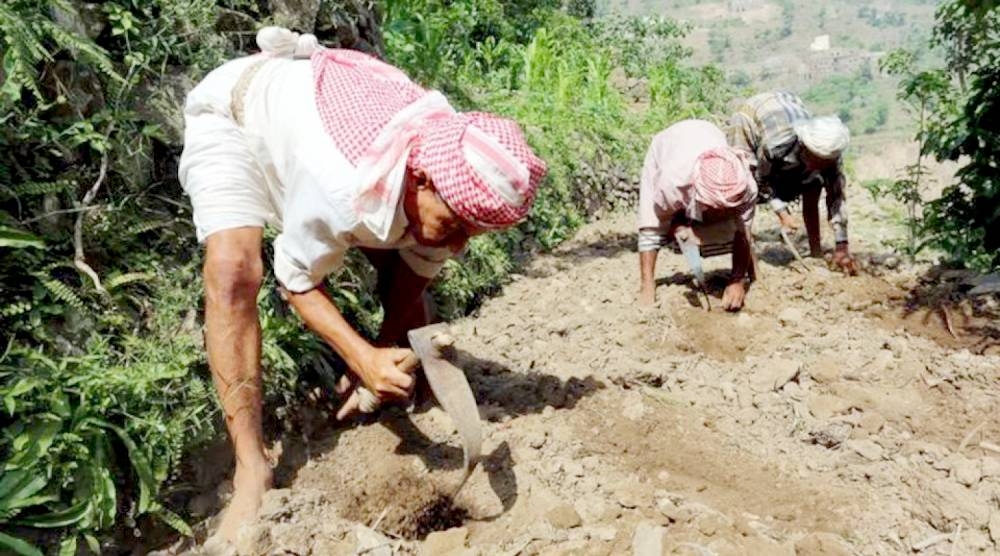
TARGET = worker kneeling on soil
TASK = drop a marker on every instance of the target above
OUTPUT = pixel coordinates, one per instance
(336, 150)
(793, 154)
(693, 183)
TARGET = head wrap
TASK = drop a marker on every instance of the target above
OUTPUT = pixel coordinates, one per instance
(825, 137)
(379, 119)
(721, 179)
(481, 166)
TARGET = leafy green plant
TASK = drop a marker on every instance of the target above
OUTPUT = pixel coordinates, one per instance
(957, 108)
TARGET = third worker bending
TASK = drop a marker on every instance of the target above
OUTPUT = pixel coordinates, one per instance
(793, 154)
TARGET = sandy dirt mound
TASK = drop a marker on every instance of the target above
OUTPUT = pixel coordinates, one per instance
(824, 419)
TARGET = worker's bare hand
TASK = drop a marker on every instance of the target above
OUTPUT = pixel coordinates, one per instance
(843, 260)
(787, 221)
(388, 373)
(734, 296)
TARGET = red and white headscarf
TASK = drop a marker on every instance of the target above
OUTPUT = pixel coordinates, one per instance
(721, 179)
(479, 163)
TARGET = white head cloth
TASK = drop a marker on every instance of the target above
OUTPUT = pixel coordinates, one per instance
(825, 137)
(282, 43)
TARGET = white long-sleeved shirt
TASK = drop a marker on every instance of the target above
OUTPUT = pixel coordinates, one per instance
(311, 184)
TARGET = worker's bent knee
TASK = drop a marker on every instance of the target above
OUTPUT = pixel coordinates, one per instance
(233, 275)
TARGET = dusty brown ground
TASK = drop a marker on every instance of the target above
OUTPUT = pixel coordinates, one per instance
(823, 419)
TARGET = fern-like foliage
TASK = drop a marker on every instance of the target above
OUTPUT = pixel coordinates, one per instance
(15, 308)
(61, 292)
(30, 37)
(36, 188)
(122, 280)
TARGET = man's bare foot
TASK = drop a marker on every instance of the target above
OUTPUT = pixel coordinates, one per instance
(250, 482)
(647, 296)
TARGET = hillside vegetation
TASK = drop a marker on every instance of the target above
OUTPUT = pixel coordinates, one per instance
(768, 44)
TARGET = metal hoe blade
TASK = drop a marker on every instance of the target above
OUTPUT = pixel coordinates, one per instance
(791, 247)
(692, 253)
(451, 388)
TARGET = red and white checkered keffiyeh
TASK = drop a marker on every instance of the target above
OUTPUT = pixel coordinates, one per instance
(479, 163)
(482, 167)
(721, 179)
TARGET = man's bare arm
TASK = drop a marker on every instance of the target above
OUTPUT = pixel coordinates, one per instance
(377, 368)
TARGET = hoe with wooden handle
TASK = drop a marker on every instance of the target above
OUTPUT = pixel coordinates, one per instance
(692, 253)
(430, 345)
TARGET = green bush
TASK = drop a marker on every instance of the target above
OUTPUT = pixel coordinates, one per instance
(957, 107)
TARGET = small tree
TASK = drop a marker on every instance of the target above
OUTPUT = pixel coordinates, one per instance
(965, 221)
(923, 92)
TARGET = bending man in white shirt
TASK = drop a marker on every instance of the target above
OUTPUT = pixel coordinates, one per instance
(692, 177)
(335, 149)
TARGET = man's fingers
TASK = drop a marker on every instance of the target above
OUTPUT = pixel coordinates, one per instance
(405, 359)
(344, 384)
(399, 387)
(350, 407)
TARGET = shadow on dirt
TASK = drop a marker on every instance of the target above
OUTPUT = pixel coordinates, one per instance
(964, 302)
(606, 245)
(505, 392)
(717, 280)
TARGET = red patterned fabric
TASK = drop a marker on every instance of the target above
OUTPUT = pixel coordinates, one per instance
(482, 167)
(722, 179)
(357, 95)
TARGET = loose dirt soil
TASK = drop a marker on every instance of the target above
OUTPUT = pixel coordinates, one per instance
(834, 415)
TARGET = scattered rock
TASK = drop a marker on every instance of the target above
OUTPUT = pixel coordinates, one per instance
(535, 438)
(669, 509)
(830, 434)
(790, 316)
(871, 422)
(634, 410)
(994, 527)
(444, 542)
(755, 545)
(253, 539)
(991, 467)
(648, 539)
(826, 370)
(628, 498)
(602, 533)
(573, 468)
(966, 471)
(866, 449)
(947, 502)
(882, 362)
(825, 406)
(773, 374)
(711, 523)
(333, 547)
(563, 516)
(275, 504)
(371, 542)
(821, 544)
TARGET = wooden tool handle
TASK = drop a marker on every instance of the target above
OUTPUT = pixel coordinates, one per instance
(363, 400)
